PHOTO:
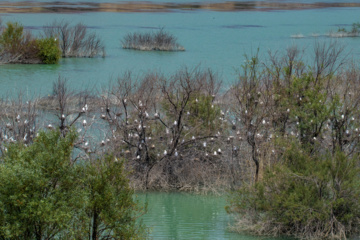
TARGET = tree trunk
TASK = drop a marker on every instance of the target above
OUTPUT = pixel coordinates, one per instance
(95, 226)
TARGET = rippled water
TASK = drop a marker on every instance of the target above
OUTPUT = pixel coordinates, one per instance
(213, 39)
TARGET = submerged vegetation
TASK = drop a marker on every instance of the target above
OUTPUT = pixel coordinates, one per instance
(343, 32)
(154, 41)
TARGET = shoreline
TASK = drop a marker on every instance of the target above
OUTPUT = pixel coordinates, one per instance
(229, 6)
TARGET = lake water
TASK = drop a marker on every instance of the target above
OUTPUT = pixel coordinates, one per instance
(188, 216)
(217, 40)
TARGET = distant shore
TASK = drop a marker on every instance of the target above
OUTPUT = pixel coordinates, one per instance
(66, 7)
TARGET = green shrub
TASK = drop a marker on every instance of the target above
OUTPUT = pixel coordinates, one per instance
(309, 196)
(44, 194)
(11, 39)
(49, 51)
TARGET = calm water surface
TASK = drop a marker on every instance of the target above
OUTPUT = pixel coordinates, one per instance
(213, 39)
(188, 216)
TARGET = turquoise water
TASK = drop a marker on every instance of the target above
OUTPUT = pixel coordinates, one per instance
(217, 40)
(213, 39)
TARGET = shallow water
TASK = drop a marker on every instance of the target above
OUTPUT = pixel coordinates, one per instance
(217, 40)
(189, 216)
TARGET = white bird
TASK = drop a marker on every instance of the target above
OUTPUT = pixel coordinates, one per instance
(342, 116)
(49, 126)
(102, 143)
(204, 144)
(138, 157)
(193, 138)
(219, 151)
(84, 123)
(156, 115)
(165, 152)
(176, 154)
(175, 123)
(215, 153)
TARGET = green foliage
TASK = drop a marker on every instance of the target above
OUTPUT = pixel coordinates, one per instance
(39, 188)
(18, 46)
(309, 196)
(111, 205)
(200, 113)
(49, 51)
(12, 37)
(45, 195)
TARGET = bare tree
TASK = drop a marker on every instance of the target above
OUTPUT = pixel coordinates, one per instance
(75, 41)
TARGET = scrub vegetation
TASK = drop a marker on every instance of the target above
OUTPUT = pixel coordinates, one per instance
(343, 32)
(45, 193)
(75, 40)
(20, 46)
(302, 123)
(59, 40)
(152, 41)
(284, 137)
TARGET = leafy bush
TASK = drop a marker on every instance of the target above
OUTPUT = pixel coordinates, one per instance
(12, 37)
(49, 51)
(306, 195)
(44, 194)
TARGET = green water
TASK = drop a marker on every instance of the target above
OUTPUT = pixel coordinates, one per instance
(188, 216)
(213, 39)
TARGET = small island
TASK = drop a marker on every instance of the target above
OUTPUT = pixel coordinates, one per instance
(152, 41)
(59, 39)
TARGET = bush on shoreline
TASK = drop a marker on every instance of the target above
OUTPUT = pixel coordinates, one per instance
(307, 172)
(19, 46)
(155, 41)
